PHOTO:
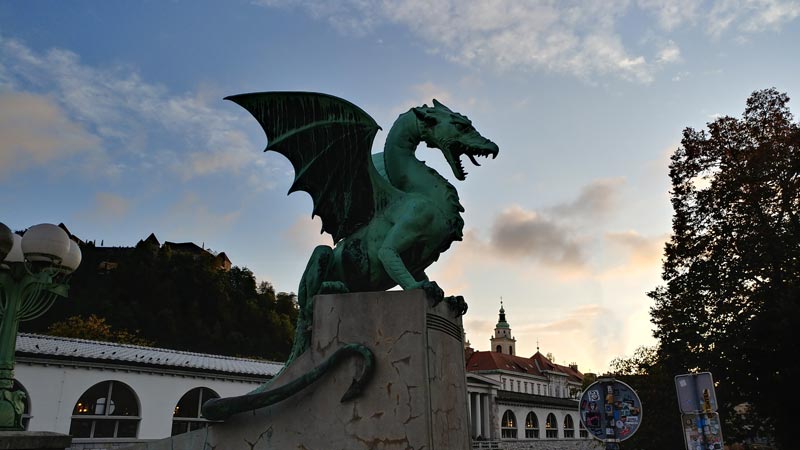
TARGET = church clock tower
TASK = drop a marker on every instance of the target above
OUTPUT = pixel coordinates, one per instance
(503, 342)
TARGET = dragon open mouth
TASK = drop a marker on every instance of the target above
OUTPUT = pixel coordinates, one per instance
(458, 149)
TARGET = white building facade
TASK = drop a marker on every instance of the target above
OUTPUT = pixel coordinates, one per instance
(109, 395)
(517, 402)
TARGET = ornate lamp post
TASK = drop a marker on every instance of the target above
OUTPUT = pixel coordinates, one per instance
(33, 274)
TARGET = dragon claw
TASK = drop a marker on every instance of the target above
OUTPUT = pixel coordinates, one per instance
(457, 304)
(433, 291)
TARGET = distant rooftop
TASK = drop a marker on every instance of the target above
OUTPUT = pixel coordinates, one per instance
(81, 349)
(535, 365)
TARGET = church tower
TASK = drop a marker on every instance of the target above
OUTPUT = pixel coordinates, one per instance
(503, 342)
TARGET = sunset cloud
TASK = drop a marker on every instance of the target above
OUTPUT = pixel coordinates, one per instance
(141, 125)
(35, 130)
(597, 199)
(520, 233)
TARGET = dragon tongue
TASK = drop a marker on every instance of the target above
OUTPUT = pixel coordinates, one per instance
(472, 158)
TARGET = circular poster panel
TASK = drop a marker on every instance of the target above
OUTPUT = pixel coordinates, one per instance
(610, 410)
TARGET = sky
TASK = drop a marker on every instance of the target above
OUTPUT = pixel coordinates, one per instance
(112, 121)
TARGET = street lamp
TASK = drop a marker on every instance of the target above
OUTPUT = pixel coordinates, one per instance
(33, 274)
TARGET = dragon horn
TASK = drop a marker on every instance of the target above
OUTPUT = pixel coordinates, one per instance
(436, 104)
(423, 114)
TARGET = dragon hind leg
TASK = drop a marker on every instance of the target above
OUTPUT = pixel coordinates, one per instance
(311, 284)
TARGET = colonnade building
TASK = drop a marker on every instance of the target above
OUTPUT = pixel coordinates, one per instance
(519, 401)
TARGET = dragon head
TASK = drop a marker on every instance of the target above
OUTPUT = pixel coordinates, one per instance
(454, 135)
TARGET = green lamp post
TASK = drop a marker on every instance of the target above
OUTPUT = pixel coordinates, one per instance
(33, 274)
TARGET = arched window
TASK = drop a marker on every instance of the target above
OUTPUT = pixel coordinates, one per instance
(187, 415)
(508, 425)
(108, 409)
(531, 426)
(569, 427)
(499, 349)
(583, 432)
(551, 427)
(26, 413)
(510, 350)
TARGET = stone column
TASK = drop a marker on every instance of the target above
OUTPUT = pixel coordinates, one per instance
(477, 413)
(487, 416)
(470, 414)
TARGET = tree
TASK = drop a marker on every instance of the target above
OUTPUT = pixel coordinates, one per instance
(95, 328)
(731, 299)
(653, 382)
(176, 299)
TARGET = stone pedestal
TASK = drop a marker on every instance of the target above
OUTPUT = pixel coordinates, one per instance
(416, 398)
(33, 440)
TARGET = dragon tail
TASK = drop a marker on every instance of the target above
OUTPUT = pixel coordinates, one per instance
(222, 408)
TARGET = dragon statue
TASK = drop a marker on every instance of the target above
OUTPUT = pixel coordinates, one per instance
(389, 214)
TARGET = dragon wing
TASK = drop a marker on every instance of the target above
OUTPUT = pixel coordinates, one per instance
(328, 141)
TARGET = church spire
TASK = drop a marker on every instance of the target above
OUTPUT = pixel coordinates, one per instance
(502, 318)
(503, 342)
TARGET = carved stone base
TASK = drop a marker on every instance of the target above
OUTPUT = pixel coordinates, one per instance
(33, 440)
(416, 398)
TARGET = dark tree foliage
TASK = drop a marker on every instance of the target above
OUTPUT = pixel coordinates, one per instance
(731, 299)
(179, 300)
(654, 384)
(97, 329)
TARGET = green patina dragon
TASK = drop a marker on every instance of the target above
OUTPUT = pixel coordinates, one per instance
(389, 214)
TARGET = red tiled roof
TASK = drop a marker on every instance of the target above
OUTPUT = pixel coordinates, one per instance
(573, 374)
(501, 361)
(534, 365)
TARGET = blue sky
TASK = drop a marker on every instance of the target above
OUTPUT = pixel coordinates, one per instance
(112, 121)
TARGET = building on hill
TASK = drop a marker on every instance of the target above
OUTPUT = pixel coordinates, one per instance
(514, 398)
(109, 395)
(223, 261)
(109, 257)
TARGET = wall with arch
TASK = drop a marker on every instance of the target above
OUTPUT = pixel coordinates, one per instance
(55, 390)
(541, 414)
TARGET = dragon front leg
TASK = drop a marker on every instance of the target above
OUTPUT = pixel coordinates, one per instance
(397, 270)
(400, 238)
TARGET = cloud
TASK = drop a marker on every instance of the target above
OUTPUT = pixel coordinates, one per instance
(669, 53)
(305, 233)
(751, 16)
(35, 130)
(140, 125)
(638, 253)
(520, 233)
(191, 218)
(597, 199)
(110, 206)
(578, 319)
(577, 37)
(672, 13)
